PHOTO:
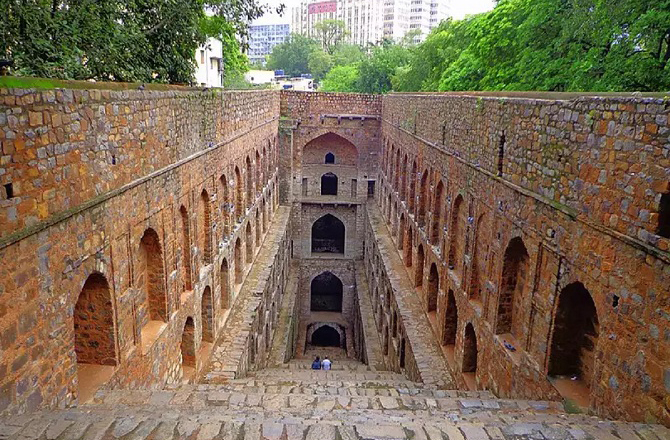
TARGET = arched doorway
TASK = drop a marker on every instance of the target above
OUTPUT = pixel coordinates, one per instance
(515, 268)
(574, 336)
(152, 304)
(401, 231)
(250, 182)
(224, 280)
(418, 274)
(249, 241)
(328, 235)
(94, 341)
(409, 248)
(225, 205)
(329, 184)
(187, 349)
(326, 293)
(326, 336)
(206, 227)
(437, 215)
(423, 188)
(238, 261)
(469, 350)
(433, 289)
(456, 233)
(207, 315)
(239, 195)
(330, 158)
(450, 320)
(186, 249)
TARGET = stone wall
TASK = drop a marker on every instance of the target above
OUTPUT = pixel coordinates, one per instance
(522, 202)
(133, 191)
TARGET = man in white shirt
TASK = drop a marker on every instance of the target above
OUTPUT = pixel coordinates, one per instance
(325, 363)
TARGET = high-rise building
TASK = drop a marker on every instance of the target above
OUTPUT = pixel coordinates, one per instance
(263, 38)
(368, 21)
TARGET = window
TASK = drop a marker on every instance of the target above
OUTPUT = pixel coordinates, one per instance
(202, 57)
(330, 158)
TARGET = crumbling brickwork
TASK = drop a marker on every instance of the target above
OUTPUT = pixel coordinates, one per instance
(121, 214)
(551, 208)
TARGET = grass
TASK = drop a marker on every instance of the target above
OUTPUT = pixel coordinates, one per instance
(26, 82)
(571, 407)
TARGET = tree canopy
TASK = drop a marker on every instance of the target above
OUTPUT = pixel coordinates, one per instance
(129, 40)
(293, 55)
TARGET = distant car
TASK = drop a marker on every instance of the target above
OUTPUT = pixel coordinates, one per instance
(288, 86)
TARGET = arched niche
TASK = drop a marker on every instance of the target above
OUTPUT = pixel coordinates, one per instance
(328, 234)
(326, 293)
(316, 150)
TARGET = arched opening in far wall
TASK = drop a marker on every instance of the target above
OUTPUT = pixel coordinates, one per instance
(329, 184)
(470, 354)
(514, 272)
(94, 339)
(326, 293)
(328, 235)
(573, 343)
(433, 289)
(187, 350)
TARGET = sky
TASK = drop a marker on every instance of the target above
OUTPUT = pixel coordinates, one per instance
(459, 8)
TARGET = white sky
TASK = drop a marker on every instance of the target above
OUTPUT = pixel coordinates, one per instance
(459, 9)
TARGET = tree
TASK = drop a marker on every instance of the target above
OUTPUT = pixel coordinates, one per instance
(293, 55)
(330, 33)
(117, 40)
(319, 63)
(346, 54)
(340, 79)
(375, 72)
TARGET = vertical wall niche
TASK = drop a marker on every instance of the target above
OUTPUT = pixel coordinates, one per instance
(250, 182)
(328, 234)
(239, 195)
(206, 227)
(239, 261)
(575, 335)
(433, 289)
(450, 320)
(207, 315)
(326, 293)
(663, 228)
(224, 279)
(470, 351)
(329, 184)
(185, 249)
(330, 158)
(515, 269)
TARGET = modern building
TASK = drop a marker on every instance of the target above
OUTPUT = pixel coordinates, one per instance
(263, 38)
(209, 61)
(368, 21)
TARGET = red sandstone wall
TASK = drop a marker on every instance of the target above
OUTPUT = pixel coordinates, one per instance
(580, 185)
(59, 237)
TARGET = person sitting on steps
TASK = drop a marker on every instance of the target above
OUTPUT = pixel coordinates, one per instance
(316, 365)
(326, 363)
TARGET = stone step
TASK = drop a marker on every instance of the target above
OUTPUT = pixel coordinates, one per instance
(309, 374)
(212, 423)
(306, 403)
(341, 389)
(324, 382)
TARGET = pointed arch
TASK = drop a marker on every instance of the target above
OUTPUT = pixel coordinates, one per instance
(326, 293)
(420, 261)
(470, 352)
(329, 184)
(455, 234)
(207, 315)
(409, 247)
(94, 338)
(226, 207)
(185, 249)
(433, 290)
(514, 273)
(258, 177)
(574, 335)
(423, 192)
(343, 150)
(401, 231)
(478, 257)
(206, 227)
(450, 320)
(187, 347)
(435, 231)
(330, 158)
(328, 235)
(239, 195)
(404, 178)
(248, 175)
(239, 261)
(224, 280)
(249, 240)
(412, 188)
(151, 279)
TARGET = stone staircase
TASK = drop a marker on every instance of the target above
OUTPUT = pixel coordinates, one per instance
(350, 402)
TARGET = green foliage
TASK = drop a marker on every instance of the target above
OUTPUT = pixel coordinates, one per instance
(346, 54)
(293, 55)
(376, 71)
(330, 33)
(114, 40)
(340, 79)
(555, 45)
(319, 64)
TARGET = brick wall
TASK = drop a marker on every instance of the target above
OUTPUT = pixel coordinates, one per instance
(93, 172)
(541, 198)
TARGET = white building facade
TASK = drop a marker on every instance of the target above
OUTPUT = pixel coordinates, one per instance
(209, 64)
(263, 38)
(369, 21)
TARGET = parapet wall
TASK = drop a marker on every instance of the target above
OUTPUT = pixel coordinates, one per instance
(604, 159)
(63, 148)
(146, 209)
